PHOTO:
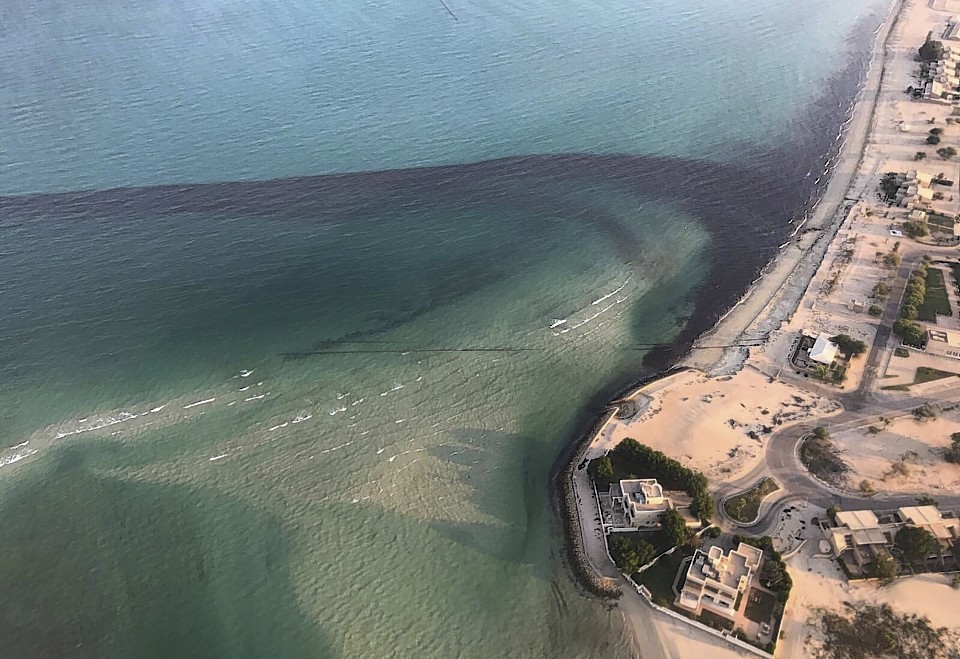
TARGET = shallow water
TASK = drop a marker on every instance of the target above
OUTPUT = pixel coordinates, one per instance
(316, 417)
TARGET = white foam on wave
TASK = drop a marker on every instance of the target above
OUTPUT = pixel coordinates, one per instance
(337, 448)
(356, 402)
(157, 409)
(218, 457)
(261, 396)
(199, 402)
(610, 295)
(16, 457)
(246, 374)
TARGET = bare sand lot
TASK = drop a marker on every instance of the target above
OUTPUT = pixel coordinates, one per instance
(717, 425)
(904, 456)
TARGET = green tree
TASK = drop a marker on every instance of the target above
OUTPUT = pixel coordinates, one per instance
(909, 331)
(915, 543)
(821, 433)
(884, 569)
(935, 131)
(925, 412)
(890, 184)
(927, 500)
(630, 555)
(601, 470)
(891, 260)
(933, 139)
(931, 50)
(821, 372)
(875, 310)
(674, 527)
(919, 155)
(881, 289)
(832, 513)
(947, 152)
(915, 229)
(849, 346)
(952, 454)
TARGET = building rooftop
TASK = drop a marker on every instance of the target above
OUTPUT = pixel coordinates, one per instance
(943, 336)
(930, 518)
(727, 570)
(642, 491)
(857, 519)
(823, 350)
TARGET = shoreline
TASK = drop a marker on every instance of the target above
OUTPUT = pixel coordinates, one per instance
(770, 300)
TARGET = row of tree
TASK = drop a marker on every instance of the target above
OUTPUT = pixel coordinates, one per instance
(913, 297)
(630, 456)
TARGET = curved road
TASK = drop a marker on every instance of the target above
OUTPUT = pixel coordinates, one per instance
(861, 409)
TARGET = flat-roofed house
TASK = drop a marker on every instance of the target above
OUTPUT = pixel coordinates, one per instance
(923, 179)
(943, 342)
(643, 501)
(715, 581)
(924, 196)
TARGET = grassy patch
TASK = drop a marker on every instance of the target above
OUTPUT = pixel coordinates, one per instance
(936, 300)
(927, 374)
(659, 577)
(896, 387)
(820, 457)
(745, 506)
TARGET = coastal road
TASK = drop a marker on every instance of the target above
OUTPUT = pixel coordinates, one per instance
(783, 464)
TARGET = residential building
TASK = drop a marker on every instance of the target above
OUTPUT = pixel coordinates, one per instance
(944, 526)
(824, 351)
(643, 501)
(716, 581)
(859, 538)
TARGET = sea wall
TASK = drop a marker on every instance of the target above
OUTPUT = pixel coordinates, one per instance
(584, 572)
(565, 467)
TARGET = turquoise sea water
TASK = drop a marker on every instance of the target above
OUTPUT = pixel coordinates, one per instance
(316, 417)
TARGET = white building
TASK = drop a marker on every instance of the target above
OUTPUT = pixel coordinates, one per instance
(643, 502)
(943, 342)
(824, 351)
(715, 581)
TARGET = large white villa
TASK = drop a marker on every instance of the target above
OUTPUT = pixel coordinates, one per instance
(642, 502)
(716, 580)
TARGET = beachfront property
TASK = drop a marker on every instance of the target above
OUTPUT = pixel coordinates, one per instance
(639, 503)
(812, 352)
(915, 191)
(940, 80)
(860, 537)
(942, 343)
(718, 582)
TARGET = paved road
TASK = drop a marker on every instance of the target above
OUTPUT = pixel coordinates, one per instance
(861, 408)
